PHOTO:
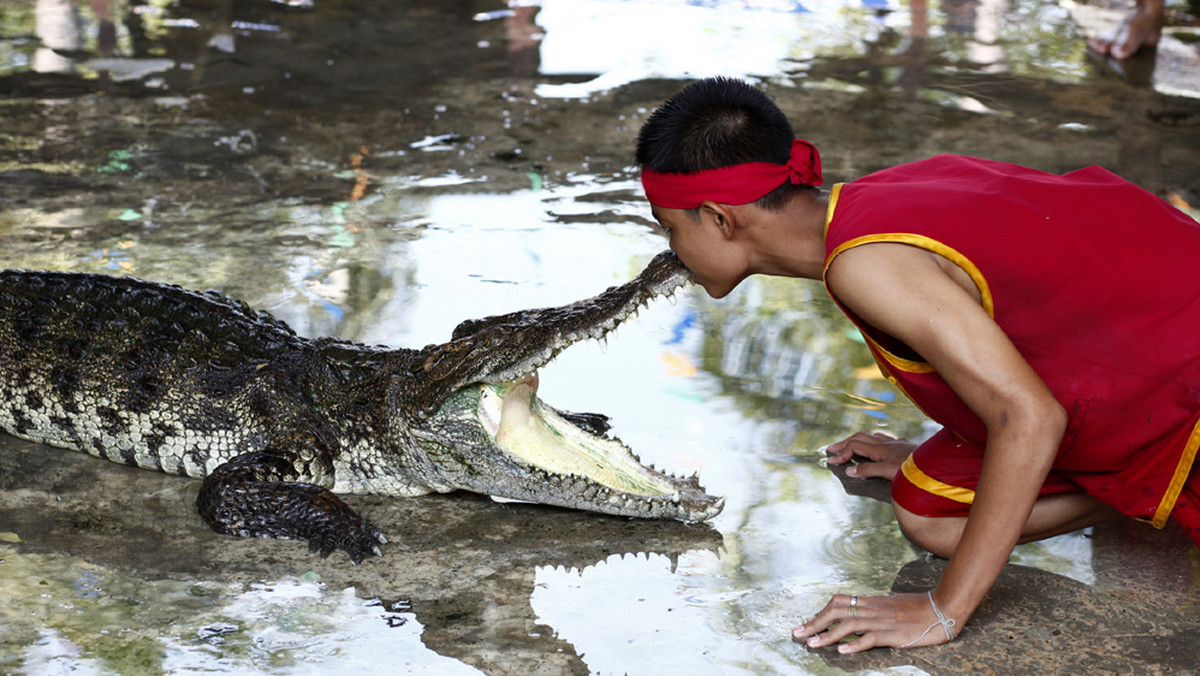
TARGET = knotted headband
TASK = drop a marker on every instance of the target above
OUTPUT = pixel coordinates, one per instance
(735, 184)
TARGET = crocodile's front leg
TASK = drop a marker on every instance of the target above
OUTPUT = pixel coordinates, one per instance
(253, 495)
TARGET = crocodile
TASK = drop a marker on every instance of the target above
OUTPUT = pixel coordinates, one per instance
(277, 425)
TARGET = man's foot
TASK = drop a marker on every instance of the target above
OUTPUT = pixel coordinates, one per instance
(1140, 30)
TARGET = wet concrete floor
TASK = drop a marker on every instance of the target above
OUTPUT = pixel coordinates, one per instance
(213, 122)
(464, 568)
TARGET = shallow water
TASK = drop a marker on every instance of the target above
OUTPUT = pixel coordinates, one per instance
(380, 172)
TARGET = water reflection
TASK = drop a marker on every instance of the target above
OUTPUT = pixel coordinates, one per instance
(568, 45)
(459, 576)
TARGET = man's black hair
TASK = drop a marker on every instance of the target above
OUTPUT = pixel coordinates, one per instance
(713, 123)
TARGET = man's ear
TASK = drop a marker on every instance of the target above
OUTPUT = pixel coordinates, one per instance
(720, 215)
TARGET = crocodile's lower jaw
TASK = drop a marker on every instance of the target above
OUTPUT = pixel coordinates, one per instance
(536, 434)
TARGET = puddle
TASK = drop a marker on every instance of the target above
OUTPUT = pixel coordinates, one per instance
(379, 175)
(69, 616)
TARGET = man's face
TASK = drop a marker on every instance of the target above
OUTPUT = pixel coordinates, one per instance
(703, 246)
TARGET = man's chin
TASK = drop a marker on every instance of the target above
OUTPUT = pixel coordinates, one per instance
(717, 291)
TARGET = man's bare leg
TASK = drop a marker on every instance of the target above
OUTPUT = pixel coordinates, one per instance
(1052, 515)
(1141, 28)
(880, 455)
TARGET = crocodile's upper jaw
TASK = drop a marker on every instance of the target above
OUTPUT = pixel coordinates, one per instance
(506, 348)
(532, 451)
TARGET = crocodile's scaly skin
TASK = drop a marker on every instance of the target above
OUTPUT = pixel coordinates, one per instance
(196, 384)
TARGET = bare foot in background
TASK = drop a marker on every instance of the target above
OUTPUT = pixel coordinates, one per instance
(1141, 28)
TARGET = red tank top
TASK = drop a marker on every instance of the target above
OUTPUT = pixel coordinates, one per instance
(1096, 282)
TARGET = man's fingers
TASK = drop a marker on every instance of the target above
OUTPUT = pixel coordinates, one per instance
(841, 457)
(833, 612)
(872, 470)
(832, 635)
(859, 444)
(864, 642)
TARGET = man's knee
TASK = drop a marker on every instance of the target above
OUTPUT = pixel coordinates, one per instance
(937, 535)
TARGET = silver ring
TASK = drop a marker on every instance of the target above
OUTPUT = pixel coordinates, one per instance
(853, 606)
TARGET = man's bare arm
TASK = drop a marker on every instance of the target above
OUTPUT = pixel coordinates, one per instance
(908, 293)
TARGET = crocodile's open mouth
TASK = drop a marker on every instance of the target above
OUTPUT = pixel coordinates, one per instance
(538, 453)
(525, 427)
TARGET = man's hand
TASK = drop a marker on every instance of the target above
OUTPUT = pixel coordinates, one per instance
(899, 621)
(878, 454)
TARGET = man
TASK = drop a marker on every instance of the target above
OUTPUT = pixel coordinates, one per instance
(1050, 323)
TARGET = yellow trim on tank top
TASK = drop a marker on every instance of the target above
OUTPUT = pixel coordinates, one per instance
(833, 200)
(921, 242)
(887, 373)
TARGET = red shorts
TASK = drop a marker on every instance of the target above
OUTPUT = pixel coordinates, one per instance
(1187, 506)
(940, 477)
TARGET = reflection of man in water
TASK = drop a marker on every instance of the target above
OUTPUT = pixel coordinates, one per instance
(1048, 323)
(524, 37)
(1141, 28)
(60, 30)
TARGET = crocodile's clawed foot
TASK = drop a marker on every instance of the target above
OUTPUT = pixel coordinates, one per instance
(312, 513)
(245, 497)
(357, 540)
(330, 524)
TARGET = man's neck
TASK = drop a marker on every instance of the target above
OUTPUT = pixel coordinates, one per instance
(794, 242)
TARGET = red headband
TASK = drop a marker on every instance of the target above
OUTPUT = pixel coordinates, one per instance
(734, 184)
